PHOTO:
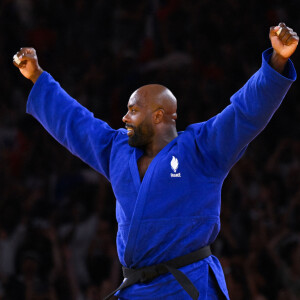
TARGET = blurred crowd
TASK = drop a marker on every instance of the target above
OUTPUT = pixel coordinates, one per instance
(57, 223)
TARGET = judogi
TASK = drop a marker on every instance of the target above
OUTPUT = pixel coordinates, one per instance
(175, 209)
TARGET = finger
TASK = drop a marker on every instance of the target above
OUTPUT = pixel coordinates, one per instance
(295, 39)
(288, 36)
(274, 30)
(284, 35)
(16, 59)
(281, 24)
(27, 56)
(19, 58)
(277, 30)
(283, 32)
(27, 52)
(292, 40)
(17, 65)
(20, 65)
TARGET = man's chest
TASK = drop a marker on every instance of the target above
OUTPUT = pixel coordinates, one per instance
(143, 164)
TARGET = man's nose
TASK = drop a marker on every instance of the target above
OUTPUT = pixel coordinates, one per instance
(125, 118)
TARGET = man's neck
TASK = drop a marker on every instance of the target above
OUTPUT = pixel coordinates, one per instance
(159, 142)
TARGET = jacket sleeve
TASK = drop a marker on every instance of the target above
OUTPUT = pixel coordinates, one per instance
(225, 137)
(71, 124)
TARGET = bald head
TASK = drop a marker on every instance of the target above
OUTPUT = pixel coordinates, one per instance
(156, 96)
(150, 120)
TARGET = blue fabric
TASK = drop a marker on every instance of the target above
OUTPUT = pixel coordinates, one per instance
(173, 211)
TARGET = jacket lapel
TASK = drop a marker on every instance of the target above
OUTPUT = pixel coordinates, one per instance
(143, 194)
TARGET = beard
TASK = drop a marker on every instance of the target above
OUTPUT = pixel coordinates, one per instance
(142, 135)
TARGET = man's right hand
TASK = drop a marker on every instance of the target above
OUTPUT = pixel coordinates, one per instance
(28, 66)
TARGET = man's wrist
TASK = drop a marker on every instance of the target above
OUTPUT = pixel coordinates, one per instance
(36, 75)
(277, 62)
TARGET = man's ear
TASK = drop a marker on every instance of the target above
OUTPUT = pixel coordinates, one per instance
(158, 116)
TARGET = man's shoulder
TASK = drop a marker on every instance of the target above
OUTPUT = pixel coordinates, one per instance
(193, 129)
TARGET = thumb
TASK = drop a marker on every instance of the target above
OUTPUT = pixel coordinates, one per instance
(275, 30)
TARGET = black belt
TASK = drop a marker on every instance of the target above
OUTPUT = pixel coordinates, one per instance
(145, 274)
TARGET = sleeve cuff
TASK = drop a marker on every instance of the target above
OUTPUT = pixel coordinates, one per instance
(289, 75)
(35, 89)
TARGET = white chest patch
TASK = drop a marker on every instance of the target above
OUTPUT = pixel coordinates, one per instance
(174, 165)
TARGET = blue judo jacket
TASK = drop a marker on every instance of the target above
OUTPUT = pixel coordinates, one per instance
(175, 210)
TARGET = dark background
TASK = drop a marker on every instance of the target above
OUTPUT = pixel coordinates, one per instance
(57, 225)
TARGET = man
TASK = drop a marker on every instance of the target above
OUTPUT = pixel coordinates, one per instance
(167, 183)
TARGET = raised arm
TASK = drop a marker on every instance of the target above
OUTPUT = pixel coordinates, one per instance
(224, 137)
(64, 118)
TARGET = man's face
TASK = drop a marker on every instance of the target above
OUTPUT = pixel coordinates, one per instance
(138, 122)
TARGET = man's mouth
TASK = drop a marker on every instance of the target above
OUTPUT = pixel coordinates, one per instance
(130, 131)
